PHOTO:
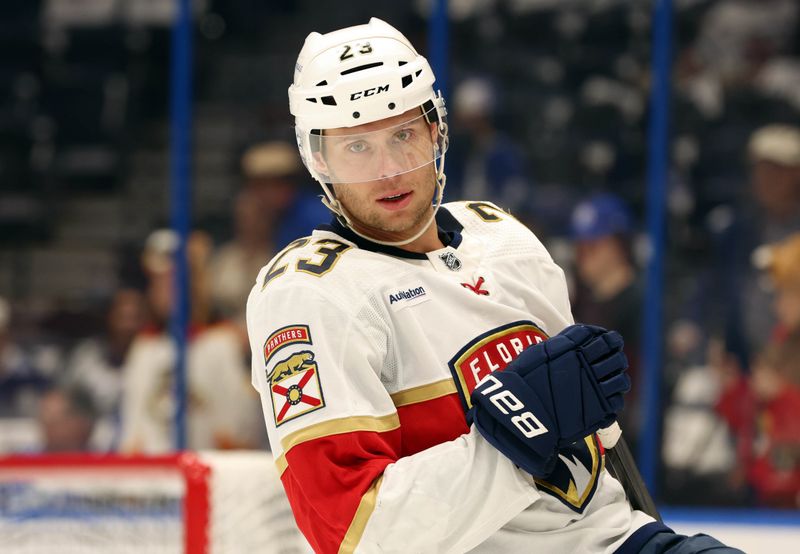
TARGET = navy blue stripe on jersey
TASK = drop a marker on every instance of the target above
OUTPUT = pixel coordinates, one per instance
(448, 224)
(449, 233)
(634, 543)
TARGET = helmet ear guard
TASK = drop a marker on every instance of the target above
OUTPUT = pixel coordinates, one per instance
(430, 113)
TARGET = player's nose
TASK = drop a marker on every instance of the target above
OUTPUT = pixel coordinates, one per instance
(389, 162)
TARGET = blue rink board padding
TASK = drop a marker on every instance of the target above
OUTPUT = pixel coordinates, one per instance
(732, 516)
(752, 531)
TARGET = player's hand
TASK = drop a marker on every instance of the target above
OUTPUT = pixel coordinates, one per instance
(555, 393)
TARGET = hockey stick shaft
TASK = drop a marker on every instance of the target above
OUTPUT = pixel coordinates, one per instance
(623, 468)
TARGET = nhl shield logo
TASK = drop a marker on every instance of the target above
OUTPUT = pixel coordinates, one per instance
(294, 384)
(451, 261)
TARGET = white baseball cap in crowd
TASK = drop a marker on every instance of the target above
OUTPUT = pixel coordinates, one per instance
(776, 143)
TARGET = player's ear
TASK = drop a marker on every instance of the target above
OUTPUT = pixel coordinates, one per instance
(434, 129)
(320, 165)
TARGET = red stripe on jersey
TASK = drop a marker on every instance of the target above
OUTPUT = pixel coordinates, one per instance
(431, 422)
(327, 477)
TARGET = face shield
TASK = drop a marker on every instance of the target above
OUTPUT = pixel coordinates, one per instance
(382, 150)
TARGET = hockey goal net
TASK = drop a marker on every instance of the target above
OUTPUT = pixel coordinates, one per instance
(193, 503)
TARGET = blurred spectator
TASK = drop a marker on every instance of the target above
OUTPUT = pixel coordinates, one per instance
(291, 204)
(24, 373)
(764, 414)
(271, 210)
(775, 381)
(235, 264)
(775, 154)
(484, 163)
(698, 450)
(715, 404)
(222, 408)
(763, 411)
(734, 301)
(608, 289)
(782, 261)
(96, 363)
(67, 416)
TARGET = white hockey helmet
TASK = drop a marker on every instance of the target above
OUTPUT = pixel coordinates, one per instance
(359, 75)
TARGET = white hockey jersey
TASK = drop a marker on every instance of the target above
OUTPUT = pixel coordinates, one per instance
(365, 357)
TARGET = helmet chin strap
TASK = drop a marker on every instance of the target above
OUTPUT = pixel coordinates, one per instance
(336, 207)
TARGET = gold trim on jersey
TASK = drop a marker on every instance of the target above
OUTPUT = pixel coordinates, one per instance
(422, 393)
(571, 494)
(359, 523)
(330, 427)
(281, 464)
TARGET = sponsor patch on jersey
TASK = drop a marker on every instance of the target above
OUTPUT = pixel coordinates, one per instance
(291, 334)
(411, 296)
(491, 351)
(574, 480)
(294, 384)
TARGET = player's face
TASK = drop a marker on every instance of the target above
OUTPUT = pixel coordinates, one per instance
(384, 175)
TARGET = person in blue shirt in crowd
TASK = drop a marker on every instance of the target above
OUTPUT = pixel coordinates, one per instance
(608, 287)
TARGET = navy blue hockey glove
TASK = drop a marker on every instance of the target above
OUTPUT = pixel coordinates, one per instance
(555, 393)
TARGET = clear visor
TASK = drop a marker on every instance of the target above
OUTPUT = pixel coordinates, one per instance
(345, 156)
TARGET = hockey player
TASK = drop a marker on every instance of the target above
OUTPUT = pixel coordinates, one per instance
(414, 399)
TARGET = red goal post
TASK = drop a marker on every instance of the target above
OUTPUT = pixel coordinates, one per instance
(194, 503)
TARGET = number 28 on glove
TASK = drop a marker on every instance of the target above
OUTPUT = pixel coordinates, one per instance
(555, 393)
(508, 404)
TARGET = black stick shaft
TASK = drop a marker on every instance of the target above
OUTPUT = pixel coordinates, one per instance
(623, 467)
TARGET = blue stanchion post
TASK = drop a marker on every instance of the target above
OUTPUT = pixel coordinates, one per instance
(657, 178)
(180, 200)
(438, 42)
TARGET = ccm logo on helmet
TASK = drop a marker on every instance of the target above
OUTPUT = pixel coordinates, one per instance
(369, 92)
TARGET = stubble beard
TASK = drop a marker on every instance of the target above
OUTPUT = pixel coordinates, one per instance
(371, 220)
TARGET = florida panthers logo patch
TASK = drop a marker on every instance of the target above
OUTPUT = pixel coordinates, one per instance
(491, 351)
(293, 381)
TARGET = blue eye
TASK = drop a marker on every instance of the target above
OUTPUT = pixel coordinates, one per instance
(357, 147)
